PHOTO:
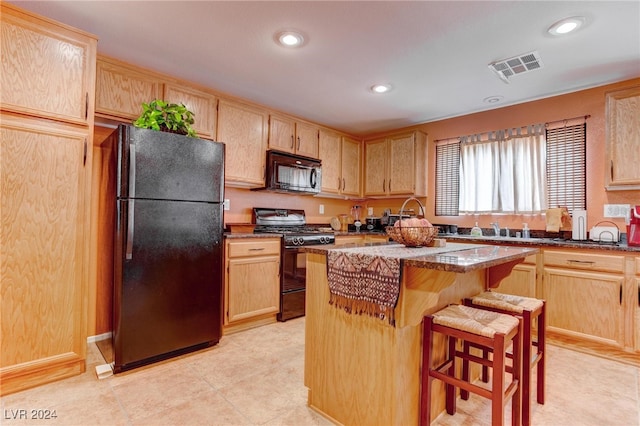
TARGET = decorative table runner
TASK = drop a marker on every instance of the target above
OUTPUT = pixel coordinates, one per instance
(367, 279)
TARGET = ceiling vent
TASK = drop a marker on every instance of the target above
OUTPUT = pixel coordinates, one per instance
(506, 68)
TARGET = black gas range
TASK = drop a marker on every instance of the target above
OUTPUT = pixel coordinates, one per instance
(291, 225)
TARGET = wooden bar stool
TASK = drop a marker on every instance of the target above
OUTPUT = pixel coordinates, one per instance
(486, 329)
(528, 309)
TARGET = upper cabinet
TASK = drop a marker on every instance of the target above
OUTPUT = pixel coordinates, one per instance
(47, 69)
(623, 139)
(201, 104)
(243, 129)
(122, 89)
(294, 136)
(396, 165)
(340, 156)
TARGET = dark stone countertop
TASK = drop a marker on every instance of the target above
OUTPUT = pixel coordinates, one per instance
(454, 257)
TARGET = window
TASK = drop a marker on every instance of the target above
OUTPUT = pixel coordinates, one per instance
(512, 173)
(447, 179)
(567, 167)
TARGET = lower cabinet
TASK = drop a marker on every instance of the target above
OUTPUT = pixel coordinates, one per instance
(636, 305)
(252, 282)
(342, 240)
(584, 294)
(522, 280)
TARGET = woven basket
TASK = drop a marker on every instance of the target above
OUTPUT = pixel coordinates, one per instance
(412, 236)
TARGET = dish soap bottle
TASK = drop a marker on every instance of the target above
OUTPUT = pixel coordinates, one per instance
(476, 231)
(525, 231)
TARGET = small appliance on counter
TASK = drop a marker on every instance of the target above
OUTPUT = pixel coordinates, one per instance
(633, 228)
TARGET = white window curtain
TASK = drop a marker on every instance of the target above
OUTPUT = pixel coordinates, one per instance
(504, 175)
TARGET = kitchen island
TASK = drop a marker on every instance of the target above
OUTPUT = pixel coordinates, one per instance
(365, 370)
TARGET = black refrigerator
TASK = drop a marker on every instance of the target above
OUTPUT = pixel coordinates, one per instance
(167, 297)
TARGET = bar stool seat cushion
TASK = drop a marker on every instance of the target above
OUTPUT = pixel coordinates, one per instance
(507, 302)
(476, 321)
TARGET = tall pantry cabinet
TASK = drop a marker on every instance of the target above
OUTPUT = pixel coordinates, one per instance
(47, 77)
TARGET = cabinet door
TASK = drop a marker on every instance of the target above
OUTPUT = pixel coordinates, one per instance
(306, 139)
(329, 154)
(636, 311)
(402, 157)
(623, 138)
(44, 228)
(46, 70)
(201, 104)
(521, 281)
(588, 304)
(350, 167)
(281, 133)
(243, 129)
(253, 287)
(121, 91)
(375, 163)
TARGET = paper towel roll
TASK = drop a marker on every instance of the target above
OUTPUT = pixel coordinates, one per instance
(579, 228)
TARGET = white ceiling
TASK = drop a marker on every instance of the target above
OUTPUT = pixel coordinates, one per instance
(434, 53)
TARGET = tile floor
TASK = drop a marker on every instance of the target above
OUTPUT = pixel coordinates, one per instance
(256, 378)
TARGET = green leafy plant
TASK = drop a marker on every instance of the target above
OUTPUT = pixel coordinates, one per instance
(166, 117)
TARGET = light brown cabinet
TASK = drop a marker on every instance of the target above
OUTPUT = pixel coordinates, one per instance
(48, 69)
(243, 129)
(45, 184)
(623, 139)
(201, 104)
(523, 279)
(252, 282)
(121, 89)
(635, 303)
(340, 156)
(294, 136)
(584, 294)
(396, 165)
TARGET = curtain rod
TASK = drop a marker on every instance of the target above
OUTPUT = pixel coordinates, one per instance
(547, 124)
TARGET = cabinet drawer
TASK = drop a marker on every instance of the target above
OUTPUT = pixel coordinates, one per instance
(584, 261)
(253, 247)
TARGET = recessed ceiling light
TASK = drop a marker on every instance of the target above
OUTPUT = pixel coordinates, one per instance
(565, 26)
(290, 38)
(492, 99)
(380, 88)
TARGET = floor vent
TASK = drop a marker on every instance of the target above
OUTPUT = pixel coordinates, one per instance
(507, 68)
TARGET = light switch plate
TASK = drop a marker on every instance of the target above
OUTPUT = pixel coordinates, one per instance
(227, 204)
(321, 208)
(616, 210)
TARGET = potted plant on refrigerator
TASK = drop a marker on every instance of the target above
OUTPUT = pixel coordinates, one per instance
(166, 117)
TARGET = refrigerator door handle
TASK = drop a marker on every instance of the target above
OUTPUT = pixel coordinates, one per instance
(132, 170)
(130, 211)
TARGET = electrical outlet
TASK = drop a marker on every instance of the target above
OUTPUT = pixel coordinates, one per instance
(227, 204)
(616, 210)
(321, 208)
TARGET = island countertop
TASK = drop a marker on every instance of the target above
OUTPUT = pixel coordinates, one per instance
(454, 257)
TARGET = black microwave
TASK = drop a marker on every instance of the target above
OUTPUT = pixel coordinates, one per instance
(292, 173)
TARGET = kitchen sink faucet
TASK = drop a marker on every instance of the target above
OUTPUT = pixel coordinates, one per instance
(496, 228)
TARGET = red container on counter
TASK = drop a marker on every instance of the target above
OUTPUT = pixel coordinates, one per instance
(633, 229)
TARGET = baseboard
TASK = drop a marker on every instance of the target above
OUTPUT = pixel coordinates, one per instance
(99, 337)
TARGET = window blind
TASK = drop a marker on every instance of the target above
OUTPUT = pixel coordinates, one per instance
(447, 179)
(566, 167)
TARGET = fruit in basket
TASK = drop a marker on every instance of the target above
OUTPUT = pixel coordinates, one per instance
(413, 222)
